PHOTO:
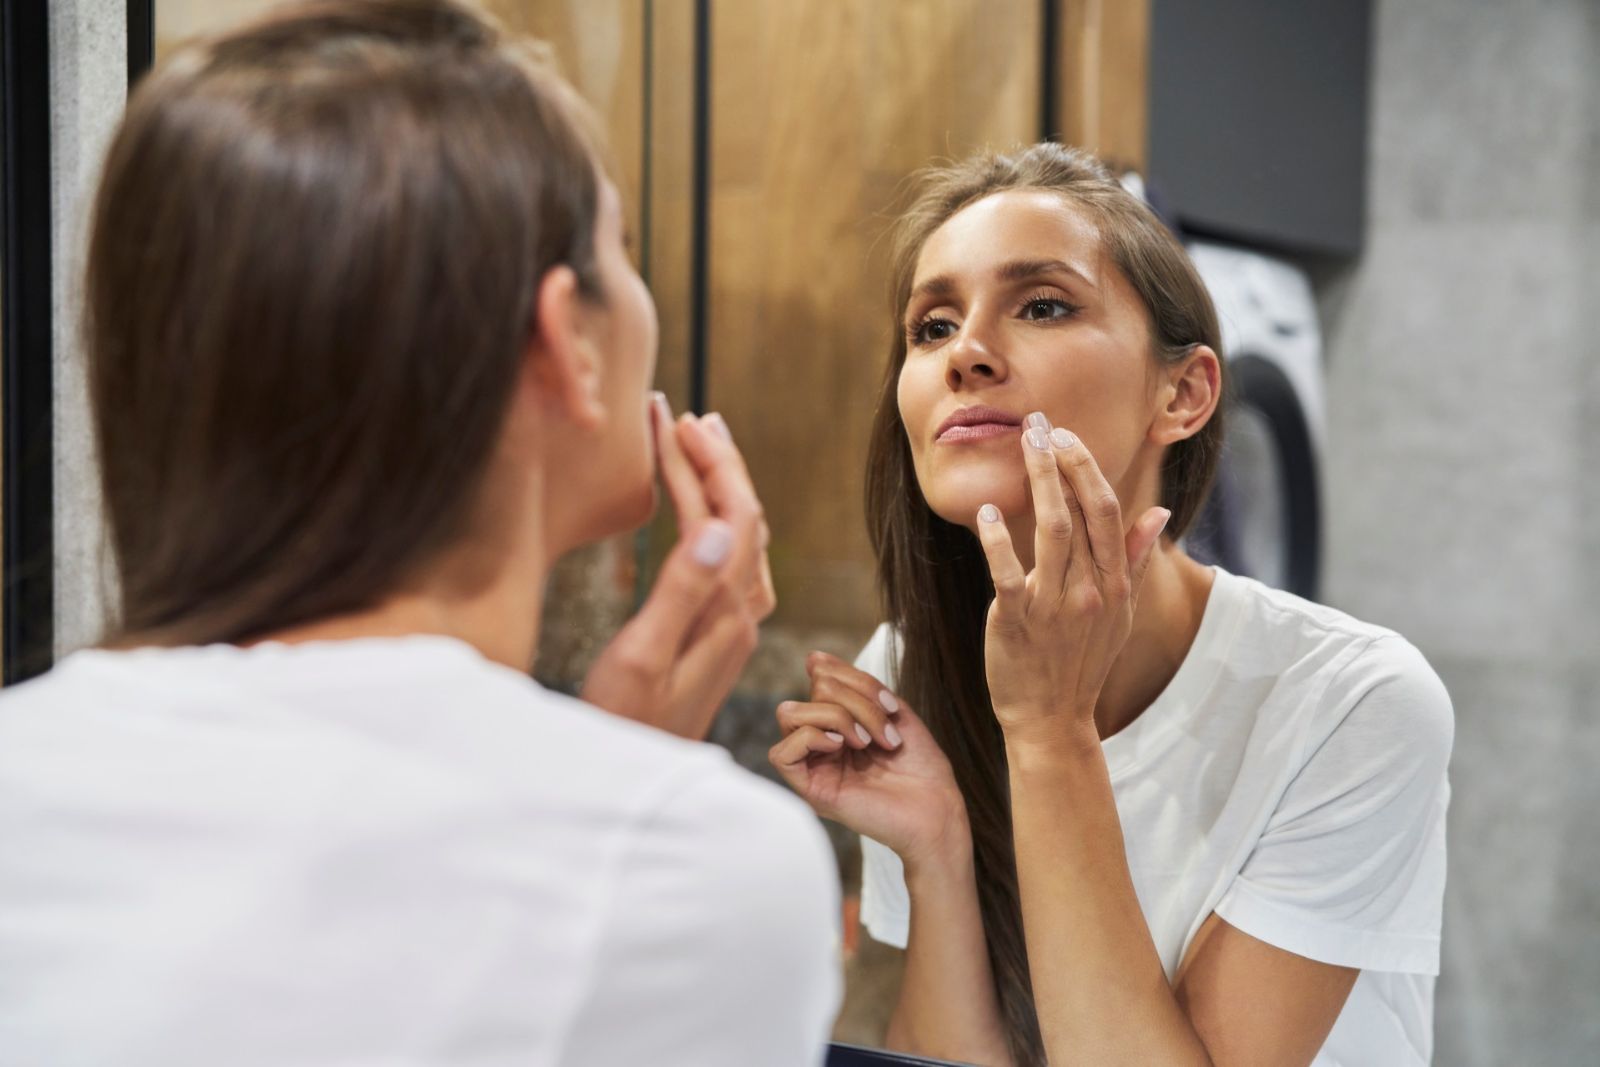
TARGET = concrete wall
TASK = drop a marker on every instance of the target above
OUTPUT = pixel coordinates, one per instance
(88, 86)
(1464, 495)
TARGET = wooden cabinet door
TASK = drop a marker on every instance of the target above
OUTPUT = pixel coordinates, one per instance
(819, 110)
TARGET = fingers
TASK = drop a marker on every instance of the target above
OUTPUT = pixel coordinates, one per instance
(1141, 545)
(867, 712)
(820, 664)
(719, 647)
(1010, 581)
(689, 580)
(831, 718)
(1099, 507)
(677, 473)
(789, 756)
(1053, 519)
(731, 496)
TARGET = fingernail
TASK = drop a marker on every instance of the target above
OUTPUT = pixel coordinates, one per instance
(891, 735)
(716, 423)
(659, 399)
(861, 732)
(1038, 439)
(890, 704)
(831, 736)
(1037, 421)
(713, 544)
(1166, 517)
(989, 513)
(1061, 438)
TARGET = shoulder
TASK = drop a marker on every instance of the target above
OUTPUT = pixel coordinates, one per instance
(1395, 698)
(1340, 672)
(1360, 678)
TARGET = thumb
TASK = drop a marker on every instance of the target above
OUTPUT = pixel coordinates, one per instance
(687, 583)
(1141, 544)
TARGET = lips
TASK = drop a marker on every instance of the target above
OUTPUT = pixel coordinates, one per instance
(977, 423)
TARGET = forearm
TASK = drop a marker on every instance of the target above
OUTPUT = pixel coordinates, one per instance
(947, 1006)
(1098, 984)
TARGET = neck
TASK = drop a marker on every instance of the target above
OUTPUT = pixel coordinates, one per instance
(488, 593)
(1165, 623)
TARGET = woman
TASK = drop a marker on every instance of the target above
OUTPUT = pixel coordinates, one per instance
(366, 355)
(1146, 811)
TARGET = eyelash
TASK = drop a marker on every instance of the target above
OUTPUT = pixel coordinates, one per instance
(914, 330)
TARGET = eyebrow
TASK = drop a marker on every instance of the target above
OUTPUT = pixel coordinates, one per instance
(1016, 270)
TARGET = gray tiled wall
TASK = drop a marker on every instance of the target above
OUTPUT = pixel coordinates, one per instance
(1464, 482)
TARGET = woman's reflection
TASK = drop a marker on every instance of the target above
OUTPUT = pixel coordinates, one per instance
(1144, 811)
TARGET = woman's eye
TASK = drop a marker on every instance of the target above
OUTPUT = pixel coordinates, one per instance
(1046, 309)
(933, 330)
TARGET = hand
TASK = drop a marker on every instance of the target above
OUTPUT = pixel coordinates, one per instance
(860, 756)
(705, 475)
(1054, 632)
(675, 661)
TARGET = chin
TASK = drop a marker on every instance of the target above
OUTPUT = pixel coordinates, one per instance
(955, 496)
(633, 510)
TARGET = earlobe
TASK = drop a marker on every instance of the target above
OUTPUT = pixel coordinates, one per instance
(562, 361)
(1190, 396)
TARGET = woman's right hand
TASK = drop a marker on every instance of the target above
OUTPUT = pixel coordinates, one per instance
(860, 756)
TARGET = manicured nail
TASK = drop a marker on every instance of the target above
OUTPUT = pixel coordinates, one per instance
(891, 735)
(1061, 438)
(713, 544)
(716, 423)
(1166, 517)
(1037, 421)
(831, 736)
(861, 732)
(1038, 439)
(890, 704)
(988, 513)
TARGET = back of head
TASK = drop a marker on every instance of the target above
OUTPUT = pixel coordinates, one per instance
(311, 279)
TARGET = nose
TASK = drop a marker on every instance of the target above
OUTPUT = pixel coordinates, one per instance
(971, 359)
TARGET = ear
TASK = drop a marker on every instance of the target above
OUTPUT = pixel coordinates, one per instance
(562, 361)
(1189, 394)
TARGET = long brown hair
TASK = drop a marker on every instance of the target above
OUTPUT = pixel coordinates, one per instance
(315, 250)
(933, 576)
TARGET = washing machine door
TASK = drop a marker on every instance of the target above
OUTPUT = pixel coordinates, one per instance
(1263, 518)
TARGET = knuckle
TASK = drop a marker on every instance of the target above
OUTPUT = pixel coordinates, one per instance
(825, 689)
(1009, 586)
(635, 661)
(746, 636)
(1106, 506)
(1058, 526)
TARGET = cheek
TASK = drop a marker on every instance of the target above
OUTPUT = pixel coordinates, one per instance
(916, 396)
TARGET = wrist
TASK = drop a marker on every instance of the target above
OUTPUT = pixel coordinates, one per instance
(1050, 740)
(948, 855)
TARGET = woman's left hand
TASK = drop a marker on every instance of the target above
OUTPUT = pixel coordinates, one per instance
(1053, 632)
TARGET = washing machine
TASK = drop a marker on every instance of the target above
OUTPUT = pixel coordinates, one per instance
(1264, 518)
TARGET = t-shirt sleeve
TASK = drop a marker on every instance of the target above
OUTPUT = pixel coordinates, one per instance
(885, 902)
(1350, 868)
(722, 940)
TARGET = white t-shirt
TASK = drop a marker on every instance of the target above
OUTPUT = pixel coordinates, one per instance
(391, 852)
(1290, 778)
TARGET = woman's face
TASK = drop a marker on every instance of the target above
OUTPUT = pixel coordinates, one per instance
(1015, 307)
(626, 331)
